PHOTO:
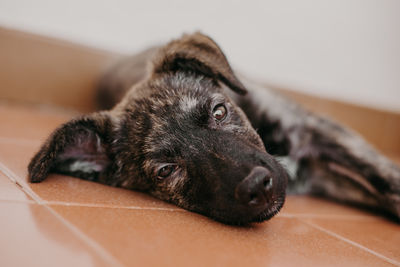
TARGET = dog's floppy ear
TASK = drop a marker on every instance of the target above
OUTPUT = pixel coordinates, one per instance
(81, 148)
(199, 54)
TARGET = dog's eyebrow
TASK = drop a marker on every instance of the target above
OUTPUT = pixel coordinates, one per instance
(217, 98)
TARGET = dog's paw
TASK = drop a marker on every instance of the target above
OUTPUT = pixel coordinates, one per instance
(392, 205)
(391, 196)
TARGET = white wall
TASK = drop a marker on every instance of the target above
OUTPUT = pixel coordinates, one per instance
(343, 49)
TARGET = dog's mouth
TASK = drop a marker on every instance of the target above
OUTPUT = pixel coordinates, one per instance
(245, 218)
(240, 215)
(270, 211)
(264, 213)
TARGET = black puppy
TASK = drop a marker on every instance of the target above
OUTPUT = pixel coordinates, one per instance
(184, 132)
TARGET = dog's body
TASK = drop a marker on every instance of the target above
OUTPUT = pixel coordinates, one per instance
(183, 131)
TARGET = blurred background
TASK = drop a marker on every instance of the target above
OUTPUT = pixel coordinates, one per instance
(347, 50)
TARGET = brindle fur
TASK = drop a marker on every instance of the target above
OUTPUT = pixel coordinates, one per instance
(162, 101)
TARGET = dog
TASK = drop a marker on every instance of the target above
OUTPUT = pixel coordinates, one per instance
(179, 124)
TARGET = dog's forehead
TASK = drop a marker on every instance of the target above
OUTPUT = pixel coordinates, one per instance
(181, 94)
(180, 82)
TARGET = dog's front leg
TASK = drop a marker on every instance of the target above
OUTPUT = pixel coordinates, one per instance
(331, 160)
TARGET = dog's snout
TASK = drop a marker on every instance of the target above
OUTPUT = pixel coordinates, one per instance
(255, 189)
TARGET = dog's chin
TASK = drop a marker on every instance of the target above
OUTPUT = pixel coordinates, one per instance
(269, 212)
(243, 218)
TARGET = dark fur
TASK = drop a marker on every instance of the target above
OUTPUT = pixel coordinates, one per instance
(165, 117)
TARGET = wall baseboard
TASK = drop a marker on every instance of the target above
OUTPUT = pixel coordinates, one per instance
(37, 69)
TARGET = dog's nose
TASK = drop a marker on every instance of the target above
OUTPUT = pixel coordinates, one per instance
(255, 189)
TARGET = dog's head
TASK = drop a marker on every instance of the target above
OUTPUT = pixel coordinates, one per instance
(177, 136)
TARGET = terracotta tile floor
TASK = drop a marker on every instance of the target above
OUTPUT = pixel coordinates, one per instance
(70, 222)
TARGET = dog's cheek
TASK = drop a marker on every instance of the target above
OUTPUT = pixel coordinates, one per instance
(171, 190)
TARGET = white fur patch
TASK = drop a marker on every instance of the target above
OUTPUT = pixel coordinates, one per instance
(290, 165)
(187, 103)
(85, 166)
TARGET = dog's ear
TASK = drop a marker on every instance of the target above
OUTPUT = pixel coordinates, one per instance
(81, 148)
(199, 54)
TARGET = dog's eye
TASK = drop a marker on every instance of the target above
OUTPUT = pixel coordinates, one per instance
(219, 112)
(166, 171)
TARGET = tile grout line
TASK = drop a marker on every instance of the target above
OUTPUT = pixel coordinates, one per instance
(96, 246)
(9, 174)
(353, 243)
(328, 216)
(80, 235)
(17, 201)
(89, 205)
(14, 178)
